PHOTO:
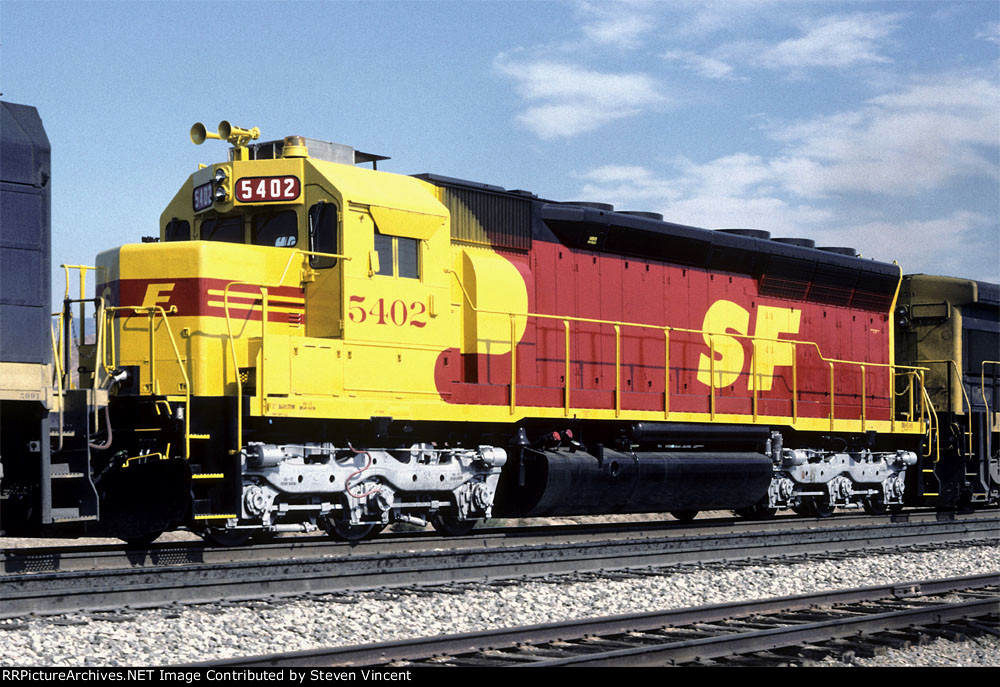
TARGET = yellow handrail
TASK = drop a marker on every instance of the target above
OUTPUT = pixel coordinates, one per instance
(263, 328)
(152, 311)
(961, 385)
(57, 359)
(666, 372)
(568, 372)
(894, 370)
(83, 289)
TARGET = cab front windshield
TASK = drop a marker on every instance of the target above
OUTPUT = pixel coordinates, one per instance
(277, 228)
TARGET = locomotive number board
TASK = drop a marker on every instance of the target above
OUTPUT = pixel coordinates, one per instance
(280, 189)
(203, 197)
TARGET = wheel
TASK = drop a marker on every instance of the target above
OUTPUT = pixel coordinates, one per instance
(226, 538)
(450, 525)
(756, 512)
(802, 509)
(684, 515)
(821, 508)
(875, 506)
(264, 537)
(338, 529)
(141, 541)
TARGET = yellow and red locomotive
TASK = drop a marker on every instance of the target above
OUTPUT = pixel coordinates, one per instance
(312, 343)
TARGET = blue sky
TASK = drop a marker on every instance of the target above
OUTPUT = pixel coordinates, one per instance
(869, 124)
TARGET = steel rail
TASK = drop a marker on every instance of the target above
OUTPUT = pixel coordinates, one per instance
(600, 639)
(110, 556)
(152, 586)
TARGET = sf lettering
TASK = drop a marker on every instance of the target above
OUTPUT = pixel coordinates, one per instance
(725, 317)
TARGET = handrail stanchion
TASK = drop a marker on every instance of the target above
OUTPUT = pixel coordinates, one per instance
(618, 370)
(711, 374)
(153, 385)
(863, 398)
(795, 383)
(513, 363)
(832, 391)
(666, 372)
(566, 401)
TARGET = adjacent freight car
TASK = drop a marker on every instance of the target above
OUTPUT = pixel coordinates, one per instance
(312, 343)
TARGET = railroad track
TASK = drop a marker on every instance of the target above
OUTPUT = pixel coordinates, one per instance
(73, 556)
(409, 561)
(789, 630)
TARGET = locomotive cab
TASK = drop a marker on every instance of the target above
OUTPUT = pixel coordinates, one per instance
(333, 252)
(283, 286)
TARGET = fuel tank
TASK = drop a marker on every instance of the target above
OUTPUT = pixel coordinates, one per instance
(562, 482)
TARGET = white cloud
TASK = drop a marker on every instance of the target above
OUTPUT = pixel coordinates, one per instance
(911, 141)
(711, 16)
(709, 67)
(574, 100)
(733, 191)
(934, 246)
(916, 139)
(620, 24)
(836, 41)
(991, 32)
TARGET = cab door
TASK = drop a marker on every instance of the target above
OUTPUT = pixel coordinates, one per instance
(323, 288)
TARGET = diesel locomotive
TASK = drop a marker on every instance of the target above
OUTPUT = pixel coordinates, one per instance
(310, 342)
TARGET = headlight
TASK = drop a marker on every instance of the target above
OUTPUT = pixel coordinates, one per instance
(220, 193)
(220, 175)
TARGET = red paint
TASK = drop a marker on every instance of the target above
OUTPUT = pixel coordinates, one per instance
(191, 298)
(562, 281)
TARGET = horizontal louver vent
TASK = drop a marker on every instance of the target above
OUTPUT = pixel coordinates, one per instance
(787, 277)
(833, 285)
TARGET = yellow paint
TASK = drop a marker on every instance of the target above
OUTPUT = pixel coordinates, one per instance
(157, 294)
(727, 366)
(721, 317)
(771, 323)
(488, 287)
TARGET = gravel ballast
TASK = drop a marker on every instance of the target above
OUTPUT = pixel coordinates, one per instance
(200, 633)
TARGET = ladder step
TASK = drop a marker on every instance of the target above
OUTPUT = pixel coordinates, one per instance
(223, 516)
(199, 436)
(208, 475)
(63, 471)
(70, 515)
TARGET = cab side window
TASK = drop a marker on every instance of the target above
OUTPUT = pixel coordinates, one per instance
(397, 256)
(407, 258)
(383, 246)
(323, 234)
